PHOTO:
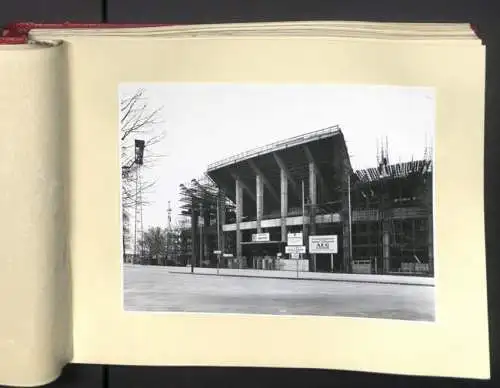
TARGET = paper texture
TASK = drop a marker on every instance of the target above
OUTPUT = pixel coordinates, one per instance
(35, 332)
(456, 345)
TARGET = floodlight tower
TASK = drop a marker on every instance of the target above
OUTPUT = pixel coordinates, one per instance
(138, 163)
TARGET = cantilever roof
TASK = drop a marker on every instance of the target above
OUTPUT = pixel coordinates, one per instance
(276, 146)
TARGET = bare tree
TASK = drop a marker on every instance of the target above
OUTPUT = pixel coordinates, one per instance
(138, 121)
(155, 244)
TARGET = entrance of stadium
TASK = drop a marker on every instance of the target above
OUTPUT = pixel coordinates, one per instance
(258, 251)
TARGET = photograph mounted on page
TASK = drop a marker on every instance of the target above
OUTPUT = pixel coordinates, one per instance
(278, 199)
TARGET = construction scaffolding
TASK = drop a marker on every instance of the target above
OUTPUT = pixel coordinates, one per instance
(392, 211)
(208, 208)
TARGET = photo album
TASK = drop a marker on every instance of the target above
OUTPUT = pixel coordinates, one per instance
(286, 194)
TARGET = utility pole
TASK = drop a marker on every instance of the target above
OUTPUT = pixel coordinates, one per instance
(304, 237)
(194, 224)
(218, 220)
(218, 230)
(202, 217)
(303, 214)
(350, 217)
(169, 235)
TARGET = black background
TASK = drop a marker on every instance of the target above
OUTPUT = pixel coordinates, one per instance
(483, 13)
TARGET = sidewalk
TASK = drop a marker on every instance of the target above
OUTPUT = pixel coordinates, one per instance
(339, 277)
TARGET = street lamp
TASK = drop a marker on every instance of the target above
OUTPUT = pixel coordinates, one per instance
(218, 229)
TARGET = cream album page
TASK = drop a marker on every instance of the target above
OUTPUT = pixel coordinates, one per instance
(35, 289)
(278, 202)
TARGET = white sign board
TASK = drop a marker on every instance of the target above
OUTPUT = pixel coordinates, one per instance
(295, 239)
(295, 256)
(323, 244)
(295, 249)
(227, 255)
(217, 252)
(258, 237)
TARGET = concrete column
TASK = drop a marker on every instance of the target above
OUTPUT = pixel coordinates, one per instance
(206, 225)
(313, 192)
(222, 218)
(345, 242)
(386, 245)
(346, 231)
(305, 227)
(218, 222)
(313, 195)
(284, 203)
(239, 216)
(259, 194)
(194, 231)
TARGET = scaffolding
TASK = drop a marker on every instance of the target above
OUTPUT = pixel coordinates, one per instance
(393, 213)
(208, 208)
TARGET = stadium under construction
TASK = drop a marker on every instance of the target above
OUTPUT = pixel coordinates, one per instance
(382, 216)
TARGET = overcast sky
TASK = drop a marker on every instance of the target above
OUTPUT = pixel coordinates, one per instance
(204, 123)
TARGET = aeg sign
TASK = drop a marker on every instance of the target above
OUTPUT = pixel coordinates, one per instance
(323, 244)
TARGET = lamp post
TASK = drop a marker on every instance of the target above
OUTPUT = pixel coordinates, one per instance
(303, 214)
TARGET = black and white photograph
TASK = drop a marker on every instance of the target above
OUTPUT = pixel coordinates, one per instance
(278, 199)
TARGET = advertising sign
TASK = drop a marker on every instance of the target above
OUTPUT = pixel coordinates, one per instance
(323, 244)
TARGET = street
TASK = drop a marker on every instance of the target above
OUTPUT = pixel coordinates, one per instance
(157, 289)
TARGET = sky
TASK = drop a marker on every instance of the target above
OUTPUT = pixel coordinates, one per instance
(204, 123)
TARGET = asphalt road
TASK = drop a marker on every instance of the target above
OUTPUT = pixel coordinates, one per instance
(156, 289)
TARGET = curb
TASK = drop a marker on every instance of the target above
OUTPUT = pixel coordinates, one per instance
(295, 278)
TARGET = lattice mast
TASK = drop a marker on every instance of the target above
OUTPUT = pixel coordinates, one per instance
(169, 212)
(138, 213)
(138, 203)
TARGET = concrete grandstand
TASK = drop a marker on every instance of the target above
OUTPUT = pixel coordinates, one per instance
(306, 184)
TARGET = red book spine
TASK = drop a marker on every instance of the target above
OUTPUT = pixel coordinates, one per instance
(17, 33)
